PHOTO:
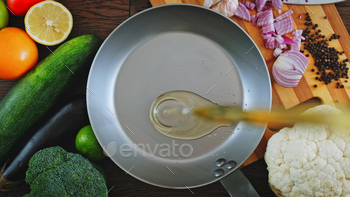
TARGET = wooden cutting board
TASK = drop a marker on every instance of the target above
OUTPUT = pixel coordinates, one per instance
(305, 92)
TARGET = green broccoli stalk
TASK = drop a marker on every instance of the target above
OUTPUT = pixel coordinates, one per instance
(55, 172)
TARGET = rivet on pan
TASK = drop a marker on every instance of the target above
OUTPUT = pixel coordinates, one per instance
(220, 162)
(218, 173)
(230, 165)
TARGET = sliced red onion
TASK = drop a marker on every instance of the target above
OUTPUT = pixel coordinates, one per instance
(267, 36)
(296, 46)
(265, 18)
(282, 46)
(248, 4)
(269, 41)
(284, 26)
(280, 42)
(243, 12)
(289, 68)
(259, 13)
(298, 34)
(283, 16)
(279, 39)
(253, 19)
(268, 29)
(260, 5)
(297, 39)
(266, 7)
(225, 7)
(287, 40)
(277, 52)
(277, 4)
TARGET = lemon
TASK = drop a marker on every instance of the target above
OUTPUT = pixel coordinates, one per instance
(48, 23)
(87, 144)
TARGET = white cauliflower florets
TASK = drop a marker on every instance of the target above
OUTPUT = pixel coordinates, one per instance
(310, 159)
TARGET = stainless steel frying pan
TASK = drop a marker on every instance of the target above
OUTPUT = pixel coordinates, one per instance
(167, 48)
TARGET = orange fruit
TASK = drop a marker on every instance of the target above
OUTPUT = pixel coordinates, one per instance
(19, 53)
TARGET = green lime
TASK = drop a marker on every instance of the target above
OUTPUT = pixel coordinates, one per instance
(4, 15)
(87, 144)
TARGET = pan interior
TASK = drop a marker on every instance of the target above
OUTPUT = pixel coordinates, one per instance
(174, 61)
(168, 48)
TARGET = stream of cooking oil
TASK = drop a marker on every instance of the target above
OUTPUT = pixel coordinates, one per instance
(171, 115)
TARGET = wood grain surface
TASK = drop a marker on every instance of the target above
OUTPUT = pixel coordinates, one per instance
(100, 17)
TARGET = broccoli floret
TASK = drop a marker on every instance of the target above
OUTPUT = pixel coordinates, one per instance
(54, 172)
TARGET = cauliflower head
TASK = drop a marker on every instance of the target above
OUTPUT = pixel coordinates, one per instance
(310, 159)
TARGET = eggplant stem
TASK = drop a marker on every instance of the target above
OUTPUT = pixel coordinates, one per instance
(3, 167)
(6, 185)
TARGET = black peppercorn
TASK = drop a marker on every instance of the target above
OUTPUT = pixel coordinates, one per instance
(326, 58)
(315, 86)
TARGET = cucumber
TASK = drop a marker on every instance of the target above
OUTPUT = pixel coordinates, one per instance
(40, 89)
(64, 123)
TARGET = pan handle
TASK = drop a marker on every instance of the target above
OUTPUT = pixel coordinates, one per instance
(236, 184)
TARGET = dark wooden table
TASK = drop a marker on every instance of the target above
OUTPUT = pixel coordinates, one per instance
(100, 17)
